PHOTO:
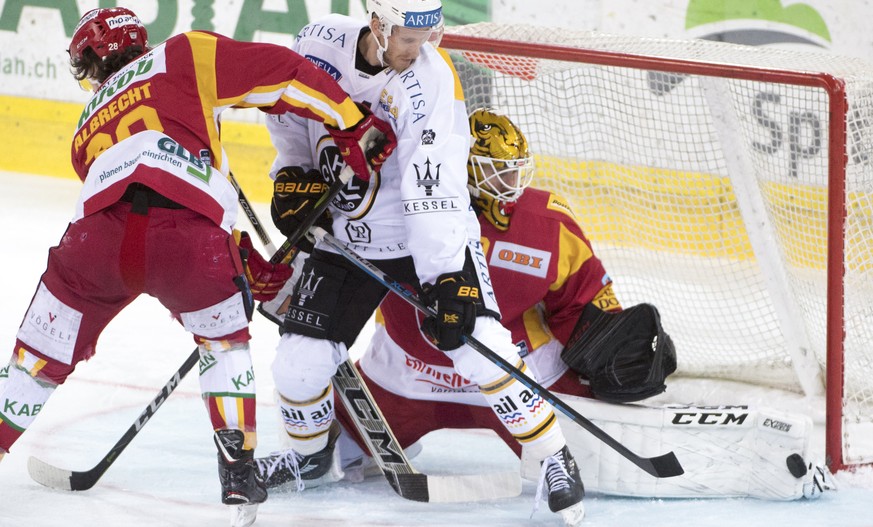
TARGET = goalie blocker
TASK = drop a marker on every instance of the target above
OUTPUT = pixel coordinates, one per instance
(625, 355)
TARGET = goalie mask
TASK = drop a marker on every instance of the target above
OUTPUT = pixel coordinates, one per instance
(106, 31)
(499, 167)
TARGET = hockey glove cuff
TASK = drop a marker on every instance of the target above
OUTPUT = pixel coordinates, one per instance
(454, 297)
(366, 145)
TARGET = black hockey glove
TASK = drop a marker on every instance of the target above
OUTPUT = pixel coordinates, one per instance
(295, 194)
(454, 297)
(625, 356)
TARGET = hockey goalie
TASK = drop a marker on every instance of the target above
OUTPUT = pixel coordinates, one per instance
(557, 300)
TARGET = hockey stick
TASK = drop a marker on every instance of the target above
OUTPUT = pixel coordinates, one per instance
(58, 478)
(406, 481)
(253, 218)
(663, 466)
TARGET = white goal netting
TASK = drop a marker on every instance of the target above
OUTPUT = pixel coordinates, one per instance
(712, 180)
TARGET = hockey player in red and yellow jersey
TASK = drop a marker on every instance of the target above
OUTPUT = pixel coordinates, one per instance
(544, 274)
(157, 211)
(557, 300)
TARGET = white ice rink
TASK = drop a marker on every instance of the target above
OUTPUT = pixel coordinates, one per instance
(167, 476)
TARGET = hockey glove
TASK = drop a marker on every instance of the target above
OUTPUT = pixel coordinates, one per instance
(625, 356)
(295, 194)
(366, 145)
(265, 279)
(454, 297)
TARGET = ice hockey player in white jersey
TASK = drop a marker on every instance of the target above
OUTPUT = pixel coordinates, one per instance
(413, 218)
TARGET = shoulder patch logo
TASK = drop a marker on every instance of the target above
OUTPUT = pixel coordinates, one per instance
(560, 204)
(326, 66)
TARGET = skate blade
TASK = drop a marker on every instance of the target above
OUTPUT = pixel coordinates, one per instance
(574, 515)
(243, 515)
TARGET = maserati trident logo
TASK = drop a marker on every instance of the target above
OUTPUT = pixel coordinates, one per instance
(427, 180)
(308, 285)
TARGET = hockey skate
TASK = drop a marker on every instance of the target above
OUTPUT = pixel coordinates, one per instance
(310, 471)
(241, 487)
(560, 476)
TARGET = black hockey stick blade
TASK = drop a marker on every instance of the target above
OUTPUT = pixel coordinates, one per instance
(406, 481)
(663, 466)
(410, 486)
(58, 478)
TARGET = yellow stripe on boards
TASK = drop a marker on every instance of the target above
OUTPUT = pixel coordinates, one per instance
(36, 136)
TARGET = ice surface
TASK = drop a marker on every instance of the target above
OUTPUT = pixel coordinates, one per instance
(167, 476)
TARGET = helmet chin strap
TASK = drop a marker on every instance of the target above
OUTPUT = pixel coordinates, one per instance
(380, 49)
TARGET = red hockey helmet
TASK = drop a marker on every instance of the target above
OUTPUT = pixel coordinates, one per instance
(106, 31)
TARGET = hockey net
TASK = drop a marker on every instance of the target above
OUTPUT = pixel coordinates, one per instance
(731, 186)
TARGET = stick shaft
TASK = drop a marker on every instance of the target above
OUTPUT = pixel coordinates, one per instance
(52, 476)
(662, 466)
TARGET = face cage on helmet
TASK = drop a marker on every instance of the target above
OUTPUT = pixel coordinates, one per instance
(490, 177)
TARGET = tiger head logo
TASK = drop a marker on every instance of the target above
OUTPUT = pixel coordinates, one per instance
(499, 167)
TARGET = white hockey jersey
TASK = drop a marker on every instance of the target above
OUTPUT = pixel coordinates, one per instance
(418, 204)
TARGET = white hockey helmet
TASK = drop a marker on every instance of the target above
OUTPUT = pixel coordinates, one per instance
(417, 14)
(412, 14)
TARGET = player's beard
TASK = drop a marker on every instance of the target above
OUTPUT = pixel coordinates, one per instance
(397, 63)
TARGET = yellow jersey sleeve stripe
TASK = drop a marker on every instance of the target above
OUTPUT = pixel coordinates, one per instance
(203, 53)
(572, 254)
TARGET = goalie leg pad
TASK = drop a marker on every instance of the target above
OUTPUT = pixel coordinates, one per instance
(726, 451)
(626, 356)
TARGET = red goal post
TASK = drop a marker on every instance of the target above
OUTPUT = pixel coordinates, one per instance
(732, 186)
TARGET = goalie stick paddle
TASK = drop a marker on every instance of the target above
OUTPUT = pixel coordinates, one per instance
(663, 466)
(404, 479)
(58, 478)
(390, 457)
